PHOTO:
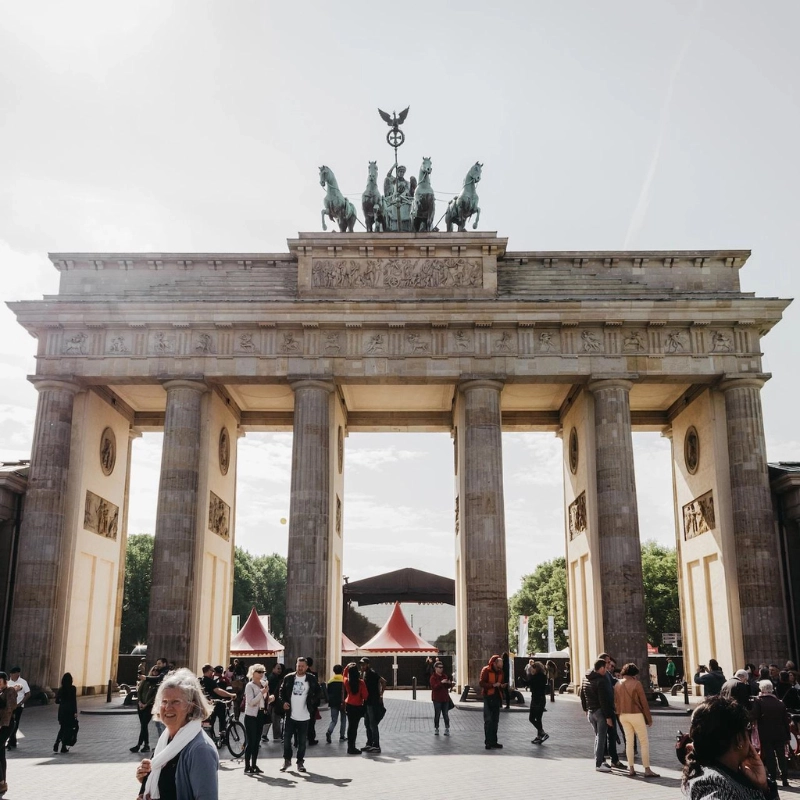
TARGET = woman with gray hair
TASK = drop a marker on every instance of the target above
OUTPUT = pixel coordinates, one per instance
(185, 762)
(769, 713)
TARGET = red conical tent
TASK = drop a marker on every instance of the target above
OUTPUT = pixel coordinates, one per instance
(397, 638)
(254, 640)
(349, 647)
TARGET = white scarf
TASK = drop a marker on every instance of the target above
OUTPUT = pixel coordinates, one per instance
(164, 753)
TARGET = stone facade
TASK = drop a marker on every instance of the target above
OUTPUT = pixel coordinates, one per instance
(353, 332)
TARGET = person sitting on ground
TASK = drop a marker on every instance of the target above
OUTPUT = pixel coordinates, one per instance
(185, 762)
(722, 762)
(634, 714)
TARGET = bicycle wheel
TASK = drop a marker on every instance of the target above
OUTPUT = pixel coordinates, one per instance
(236, 739)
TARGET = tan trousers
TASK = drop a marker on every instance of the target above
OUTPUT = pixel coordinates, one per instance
(635, 724)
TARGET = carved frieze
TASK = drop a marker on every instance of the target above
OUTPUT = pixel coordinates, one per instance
(100, 516)
(698, 516)
(675, 342)
(590, 343)
(396, 273)
(574, 452)
(204, 344)
(76, 344)
(118, 346)
(163, 344)
(289, 344)
(219, 517)
(246, 343)
(548, 342)
(224, 450)
(633, 342)
(691, 450)
(721, 342)
(577, 516)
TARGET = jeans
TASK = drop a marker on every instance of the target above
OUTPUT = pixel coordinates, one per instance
(300, 728)
(252, 728)
(277, 721)
(354, 714)
(491, 717)
(443, 709)
(535, 716)
(144, 724)
(611, 740)
(336, 715)
(371, 721)
(12, 739)
(601, 729)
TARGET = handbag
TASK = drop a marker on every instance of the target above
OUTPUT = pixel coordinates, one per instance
(450, 704)
(71, 736)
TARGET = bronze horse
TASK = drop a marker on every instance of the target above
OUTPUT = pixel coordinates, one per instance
(373, 202)
(423, 206)
(337, 206)
(461, 208)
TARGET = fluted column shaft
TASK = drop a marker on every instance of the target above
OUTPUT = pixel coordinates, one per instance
(40, 557)
(169, 624)
(622, 588)
(761, 602)
(484, 568)
(309, 525)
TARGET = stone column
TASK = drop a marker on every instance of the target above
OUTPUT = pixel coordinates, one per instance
(622, 590)
(169, 623)
(483, 513)
(40, 561)
(761, 601)
(309, 525)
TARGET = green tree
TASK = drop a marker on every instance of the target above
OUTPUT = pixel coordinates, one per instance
(357, 626)
(543, 592)
(136, 593)
(446, 643)
(661, 606)
(260, 582)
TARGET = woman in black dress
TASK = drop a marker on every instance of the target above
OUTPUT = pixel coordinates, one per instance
(67, 700)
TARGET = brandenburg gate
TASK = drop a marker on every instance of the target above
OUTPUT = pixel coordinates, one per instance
(397, 331)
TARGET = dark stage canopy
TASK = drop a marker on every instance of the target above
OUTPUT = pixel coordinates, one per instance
(403, 586)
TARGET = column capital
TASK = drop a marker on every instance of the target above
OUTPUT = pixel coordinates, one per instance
(743, 381)
(312, 383)
(134, 433)
(609, 383)
(60, 384)
(481, 383)
(184, 383)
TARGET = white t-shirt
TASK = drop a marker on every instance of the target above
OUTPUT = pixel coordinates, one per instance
(21, 685)
(299, 696)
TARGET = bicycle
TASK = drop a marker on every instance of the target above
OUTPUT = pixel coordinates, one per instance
(234, 737)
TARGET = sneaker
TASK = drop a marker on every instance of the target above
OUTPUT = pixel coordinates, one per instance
(286, 765)
(618, 765)
(544, 737)
(133, 749)
(375, 750)
(447, 731)
(301, 767)
(342, 738)
(256, 770)
(145, 749)
(328, 738)
(435, 731)
(603, 768)
(312, 742)
(497, 746)
(368, 749)
(356, 752)
(537, 740)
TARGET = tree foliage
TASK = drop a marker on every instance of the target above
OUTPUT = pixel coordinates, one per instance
(136, 593)
(356, 626)
(543, 592)
(446, 643)
(258, 581)
(661, 606)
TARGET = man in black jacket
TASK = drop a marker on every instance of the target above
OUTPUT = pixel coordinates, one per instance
(299, 694)
(599, 712)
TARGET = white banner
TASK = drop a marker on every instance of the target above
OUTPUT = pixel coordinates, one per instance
(551, 634)
(522, 642)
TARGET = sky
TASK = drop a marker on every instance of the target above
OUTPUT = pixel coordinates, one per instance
(200, 126)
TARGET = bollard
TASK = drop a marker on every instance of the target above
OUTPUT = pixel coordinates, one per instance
(413, 688)
(686, 693)
(108, 693)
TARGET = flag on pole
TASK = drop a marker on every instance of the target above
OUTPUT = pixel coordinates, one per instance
(551, 634)
(522, 646)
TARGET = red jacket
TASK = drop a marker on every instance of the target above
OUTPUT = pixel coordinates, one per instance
(439, 693)
(353, 699)
(490, 676)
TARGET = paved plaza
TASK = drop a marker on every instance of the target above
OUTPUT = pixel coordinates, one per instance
(414, 762)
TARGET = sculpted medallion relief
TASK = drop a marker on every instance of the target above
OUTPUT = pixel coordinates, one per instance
(100, 516)
(224, 450)
(392, 273)
(108, 451)
(573, 451)
(219, 517)
(577, 516)
(698, 516)
(691, 450)
(547, 342)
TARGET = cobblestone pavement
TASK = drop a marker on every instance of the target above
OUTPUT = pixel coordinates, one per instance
(414, 762)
